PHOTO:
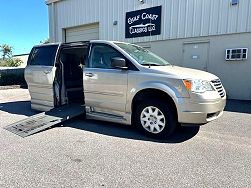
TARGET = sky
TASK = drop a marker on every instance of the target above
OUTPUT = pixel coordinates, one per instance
(23, 23)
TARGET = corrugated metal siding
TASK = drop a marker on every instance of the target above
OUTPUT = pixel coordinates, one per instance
(180, 19)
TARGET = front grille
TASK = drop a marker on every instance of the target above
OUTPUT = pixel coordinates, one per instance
(218, 86)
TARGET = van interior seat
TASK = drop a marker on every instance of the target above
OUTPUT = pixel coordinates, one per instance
(72, 71)
(73, 60)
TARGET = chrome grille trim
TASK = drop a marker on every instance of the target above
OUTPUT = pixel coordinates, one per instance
(218, 86)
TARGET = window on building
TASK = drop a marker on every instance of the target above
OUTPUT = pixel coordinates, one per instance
(236, 54)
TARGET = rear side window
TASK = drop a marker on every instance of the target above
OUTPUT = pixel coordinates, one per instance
(43, 55)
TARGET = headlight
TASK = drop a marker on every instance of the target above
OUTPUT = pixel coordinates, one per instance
(198, 86)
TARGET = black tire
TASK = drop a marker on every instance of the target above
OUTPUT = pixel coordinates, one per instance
(167, 111)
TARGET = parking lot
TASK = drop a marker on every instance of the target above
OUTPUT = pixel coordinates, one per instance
(83, 153)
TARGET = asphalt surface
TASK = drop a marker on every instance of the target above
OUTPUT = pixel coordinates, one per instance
(83, 153)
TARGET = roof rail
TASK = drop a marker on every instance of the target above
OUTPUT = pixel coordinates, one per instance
(76, 42)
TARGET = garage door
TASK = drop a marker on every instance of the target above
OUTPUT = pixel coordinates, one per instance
(82, 33)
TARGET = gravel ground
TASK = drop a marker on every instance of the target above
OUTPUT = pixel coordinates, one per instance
(99, 154)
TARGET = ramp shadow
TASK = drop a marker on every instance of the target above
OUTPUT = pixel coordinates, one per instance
(239, 106)
(18, 107)
(182, 134)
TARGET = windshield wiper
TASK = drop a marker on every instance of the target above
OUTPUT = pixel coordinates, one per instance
(150, 64)
(153, 64)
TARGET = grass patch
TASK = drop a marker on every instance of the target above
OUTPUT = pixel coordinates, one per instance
(11, 62)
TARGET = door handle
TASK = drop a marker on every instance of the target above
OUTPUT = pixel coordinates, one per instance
(47, 71)
(89, 74)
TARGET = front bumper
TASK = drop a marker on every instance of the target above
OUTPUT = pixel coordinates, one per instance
(192, 112)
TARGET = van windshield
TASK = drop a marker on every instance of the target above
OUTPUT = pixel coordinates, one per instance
(142, 56)
(43, 55)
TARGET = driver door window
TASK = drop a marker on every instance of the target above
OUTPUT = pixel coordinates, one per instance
(101, 56)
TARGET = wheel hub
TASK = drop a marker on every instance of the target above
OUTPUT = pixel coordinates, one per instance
(152, 119)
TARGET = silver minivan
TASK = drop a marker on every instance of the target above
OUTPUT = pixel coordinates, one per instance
(123, 83)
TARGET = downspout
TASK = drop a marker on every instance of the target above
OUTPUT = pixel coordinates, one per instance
(53, 23)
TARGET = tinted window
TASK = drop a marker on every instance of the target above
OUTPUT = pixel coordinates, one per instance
(43, 55)
(101, 56)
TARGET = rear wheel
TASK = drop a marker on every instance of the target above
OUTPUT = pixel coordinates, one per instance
(155, 118)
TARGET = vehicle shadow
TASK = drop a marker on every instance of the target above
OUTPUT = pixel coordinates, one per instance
(106, 128)
(17, 107)
(239, 106)
(182, 134)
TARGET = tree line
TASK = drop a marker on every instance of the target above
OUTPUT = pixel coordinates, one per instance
(7, 57)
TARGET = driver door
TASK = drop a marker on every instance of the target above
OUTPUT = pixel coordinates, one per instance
(105, 87)
(39, 75)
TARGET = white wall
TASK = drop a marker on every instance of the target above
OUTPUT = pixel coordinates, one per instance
(24, 59)
(180, 19)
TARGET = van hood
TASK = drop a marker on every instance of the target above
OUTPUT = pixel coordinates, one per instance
(184, 73)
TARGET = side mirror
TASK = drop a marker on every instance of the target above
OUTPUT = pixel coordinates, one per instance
(119, 63)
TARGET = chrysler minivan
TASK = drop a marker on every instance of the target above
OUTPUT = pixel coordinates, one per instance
(123, 83)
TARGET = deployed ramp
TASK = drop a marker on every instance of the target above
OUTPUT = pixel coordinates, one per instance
(45, 120)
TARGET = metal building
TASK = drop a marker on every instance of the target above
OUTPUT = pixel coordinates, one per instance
(211, 35)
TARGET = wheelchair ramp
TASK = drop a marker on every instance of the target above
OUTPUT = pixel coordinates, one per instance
(45, 120)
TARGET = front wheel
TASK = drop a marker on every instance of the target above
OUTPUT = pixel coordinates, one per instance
(155, 118)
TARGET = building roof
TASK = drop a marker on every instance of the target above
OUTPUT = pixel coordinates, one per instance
(51, 1)
(17, 55)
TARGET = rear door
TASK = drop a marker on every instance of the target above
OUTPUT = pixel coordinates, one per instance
(40, 75)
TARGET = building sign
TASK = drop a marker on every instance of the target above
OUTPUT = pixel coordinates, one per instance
(145, 22)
